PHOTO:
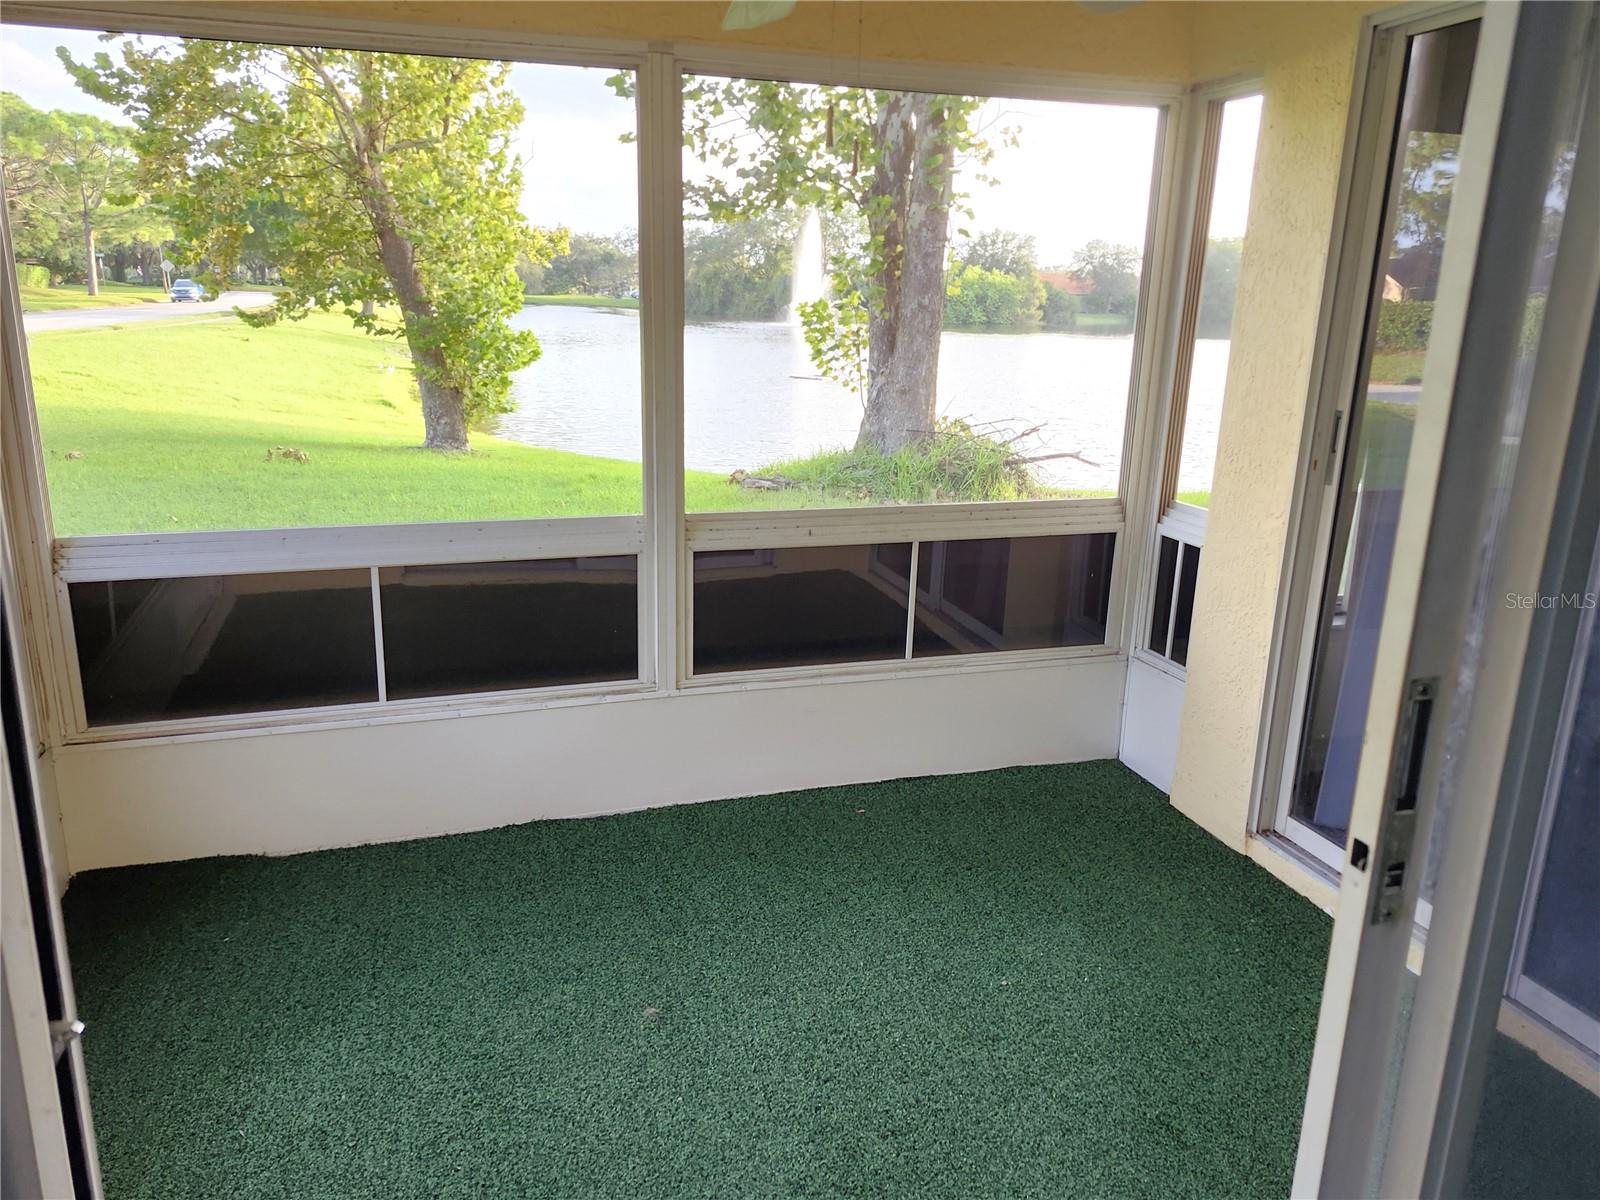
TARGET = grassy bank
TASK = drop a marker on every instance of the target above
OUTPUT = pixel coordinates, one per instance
(167, 426)
(570, 300)
(173, 425)
(76, 295)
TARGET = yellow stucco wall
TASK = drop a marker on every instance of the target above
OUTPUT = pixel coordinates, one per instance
(1307, 54)
(1144, 41)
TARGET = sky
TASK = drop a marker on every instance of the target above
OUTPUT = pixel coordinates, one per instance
(1080, 171)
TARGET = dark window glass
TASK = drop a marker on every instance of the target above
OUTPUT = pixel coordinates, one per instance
(799, 605)
(1029, 593)
(1161, 616)
(483, 627)
(1185, 605)
(159, 648)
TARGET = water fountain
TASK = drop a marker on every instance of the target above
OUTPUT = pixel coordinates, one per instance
(807, 280)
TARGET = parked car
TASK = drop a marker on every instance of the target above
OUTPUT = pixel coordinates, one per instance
(186, 289)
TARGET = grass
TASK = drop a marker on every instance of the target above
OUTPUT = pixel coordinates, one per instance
(166, 426)
(1039, 982)
(955, 465)
(1104, 323)
(1404, 366)
(576, 301)
(72, 296)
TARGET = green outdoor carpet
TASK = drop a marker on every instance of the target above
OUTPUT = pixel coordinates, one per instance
(1032, 982)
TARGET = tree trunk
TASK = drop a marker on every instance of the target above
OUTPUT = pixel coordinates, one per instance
(912, 221)
(444, 410)
(92, 268)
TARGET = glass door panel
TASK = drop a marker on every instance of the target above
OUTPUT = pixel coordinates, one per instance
(1423, 168)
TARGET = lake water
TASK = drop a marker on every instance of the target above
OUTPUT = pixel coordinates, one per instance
(752, 397)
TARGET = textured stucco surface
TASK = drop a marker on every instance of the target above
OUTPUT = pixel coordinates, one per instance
(1306, 56)
(1150, 41)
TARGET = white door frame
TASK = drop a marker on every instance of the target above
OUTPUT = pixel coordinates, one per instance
(1527, 55)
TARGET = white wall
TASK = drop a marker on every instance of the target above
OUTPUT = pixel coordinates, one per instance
(1150, 717)
(278, 793)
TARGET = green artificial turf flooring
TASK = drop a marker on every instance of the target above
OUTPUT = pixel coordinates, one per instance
(1031, 982)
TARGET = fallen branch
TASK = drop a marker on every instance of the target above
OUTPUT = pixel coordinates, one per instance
(1072, 454)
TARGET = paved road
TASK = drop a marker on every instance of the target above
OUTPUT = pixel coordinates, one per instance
(126, 314)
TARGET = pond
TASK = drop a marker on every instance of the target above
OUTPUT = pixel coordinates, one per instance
(752, 396)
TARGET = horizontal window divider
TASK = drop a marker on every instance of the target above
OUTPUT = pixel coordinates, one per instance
(261, 551)
(1185, 523)
(444, 708)
(237, 23)
(923, 522)
(322, 716)
(1165, 665)
(888, 668)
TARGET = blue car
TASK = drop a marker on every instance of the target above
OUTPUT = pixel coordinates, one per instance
(186, 289)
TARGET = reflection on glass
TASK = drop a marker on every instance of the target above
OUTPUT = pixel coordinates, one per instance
(1183, 614)
(798, 606)
(150, 649)
(1438, 72)
(896, 296)
(482, 627)
(1025, 593)
(1207, 372)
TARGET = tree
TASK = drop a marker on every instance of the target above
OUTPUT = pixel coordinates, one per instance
(595, 266)
(979, 296)
(71, 178)
(401, 175)
(886, 160)
(1001, 250)
(739, 270)
(1114, 270)
(1219, 285)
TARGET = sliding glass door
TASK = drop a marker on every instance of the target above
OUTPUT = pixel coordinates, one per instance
(1378, 423)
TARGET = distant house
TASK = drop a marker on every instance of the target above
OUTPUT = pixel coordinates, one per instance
(1066, 281)
(1413, 274)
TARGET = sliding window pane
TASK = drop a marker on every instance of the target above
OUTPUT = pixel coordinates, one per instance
(799, 606)
(1207, 369)
(485, 627)
(1026, 593)
(1166, 579)
(459, 341)
(154, 649)
(951, 323)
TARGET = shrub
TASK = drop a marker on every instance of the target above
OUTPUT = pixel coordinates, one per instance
(1404, 324)
(32, 275)
(954, 464)
(978, 296)
(1060, 307)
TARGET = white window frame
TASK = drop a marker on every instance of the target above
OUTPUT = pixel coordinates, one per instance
(1357, 230)
(1184, 523)
(663, 536)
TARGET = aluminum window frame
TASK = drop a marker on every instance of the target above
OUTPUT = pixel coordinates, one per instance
(1358, 228)
(663, 535)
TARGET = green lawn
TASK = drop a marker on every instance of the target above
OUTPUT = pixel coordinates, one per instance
(75, 295)
(1403, 366)
(167, 425)
(575, 301)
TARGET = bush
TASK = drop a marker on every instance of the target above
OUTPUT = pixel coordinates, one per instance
(1060, 307)
(978, 296)
(1404, 324)
(32, 275)
(955, 464)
